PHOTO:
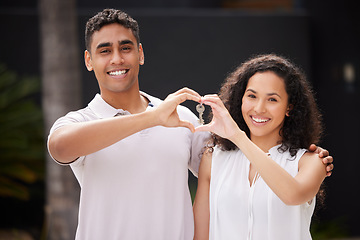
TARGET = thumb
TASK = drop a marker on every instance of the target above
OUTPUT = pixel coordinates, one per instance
(187, 125)
(312, 147)
(202, 128)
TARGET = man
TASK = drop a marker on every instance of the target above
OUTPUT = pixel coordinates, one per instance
(129, 151)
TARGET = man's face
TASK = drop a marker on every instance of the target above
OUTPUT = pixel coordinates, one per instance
(115, 57)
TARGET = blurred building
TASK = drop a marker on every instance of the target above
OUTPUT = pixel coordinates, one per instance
(196, 43)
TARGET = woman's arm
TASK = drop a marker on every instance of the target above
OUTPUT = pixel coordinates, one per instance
(201, 204)
(291, 190)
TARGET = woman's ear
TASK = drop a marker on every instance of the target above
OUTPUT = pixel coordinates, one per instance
(87, 58)
(289, 108)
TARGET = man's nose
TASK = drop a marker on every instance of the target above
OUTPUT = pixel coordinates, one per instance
(117, 58)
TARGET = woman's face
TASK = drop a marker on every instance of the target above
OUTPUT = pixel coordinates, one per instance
(264, 105)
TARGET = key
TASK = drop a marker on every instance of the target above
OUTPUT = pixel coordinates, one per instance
(200, 109)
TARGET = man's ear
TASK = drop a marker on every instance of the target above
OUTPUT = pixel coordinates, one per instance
(141, 53)
(87, 58)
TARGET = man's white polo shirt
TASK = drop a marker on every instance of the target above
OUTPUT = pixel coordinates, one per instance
(137, 188)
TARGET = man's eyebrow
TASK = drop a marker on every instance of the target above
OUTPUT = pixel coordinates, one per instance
(123, 42)
(105, 44)
(109, 44)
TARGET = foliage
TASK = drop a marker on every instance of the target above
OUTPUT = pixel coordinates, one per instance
(329, 229)
(21, 135)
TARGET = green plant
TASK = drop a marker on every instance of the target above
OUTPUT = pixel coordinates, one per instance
(329, 229)
(21, 135)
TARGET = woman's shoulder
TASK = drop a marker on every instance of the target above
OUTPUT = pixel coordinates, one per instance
(207, 156)
(310, 155)
(310, 158)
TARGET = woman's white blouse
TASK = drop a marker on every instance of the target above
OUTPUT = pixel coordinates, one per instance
(240, 211)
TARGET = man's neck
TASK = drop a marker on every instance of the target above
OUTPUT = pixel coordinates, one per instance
(132, 102)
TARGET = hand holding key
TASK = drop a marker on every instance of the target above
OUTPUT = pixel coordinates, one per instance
(200, 109)
(222, 124)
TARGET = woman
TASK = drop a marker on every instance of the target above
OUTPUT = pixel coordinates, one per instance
(259, 181)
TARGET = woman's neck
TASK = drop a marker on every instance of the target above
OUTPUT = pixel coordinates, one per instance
(265, 143)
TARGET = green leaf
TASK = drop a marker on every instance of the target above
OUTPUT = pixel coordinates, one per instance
(9, 188)
(21, 135)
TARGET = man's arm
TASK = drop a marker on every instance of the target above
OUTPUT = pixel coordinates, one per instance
(79, 139)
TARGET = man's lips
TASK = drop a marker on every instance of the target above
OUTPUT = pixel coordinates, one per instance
(118, 72)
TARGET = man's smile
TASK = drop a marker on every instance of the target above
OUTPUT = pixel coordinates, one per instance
(118, 72)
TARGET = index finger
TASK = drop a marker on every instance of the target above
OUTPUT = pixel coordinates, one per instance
(182, 97)
(323, 153)
(187, 90)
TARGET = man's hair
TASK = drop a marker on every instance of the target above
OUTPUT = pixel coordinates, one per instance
(106, 17)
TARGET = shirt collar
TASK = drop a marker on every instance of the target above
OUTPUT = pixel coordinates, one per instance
(103, 110)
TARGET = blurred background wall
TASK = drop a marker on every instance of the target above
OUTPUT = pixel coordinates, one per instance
(195, 43)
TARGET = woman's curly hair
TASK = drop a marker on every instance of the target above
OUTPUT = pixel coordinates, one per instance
(301, 128)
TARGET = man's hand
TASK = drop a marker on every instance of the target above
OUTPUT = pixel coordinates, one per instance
(166, 112)
(326, 158)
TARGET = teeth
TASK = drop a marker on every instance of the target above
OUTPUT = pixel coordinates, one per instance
(117, 73)
(260, 120)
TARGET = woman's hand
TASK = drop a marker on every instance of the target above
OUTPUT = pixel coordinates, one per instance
(222, 124)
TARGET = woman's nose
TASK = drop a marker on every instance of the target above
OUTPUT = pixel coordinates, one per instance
(259, 107)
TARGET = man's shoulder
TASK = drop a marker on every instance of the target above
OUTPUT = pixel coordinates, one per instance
(81, 115)
(153, 100)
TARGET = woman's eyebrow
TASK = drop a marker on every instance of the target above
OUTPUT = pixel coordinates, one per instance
(272, 94)
(250, 90)
(268, 94)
